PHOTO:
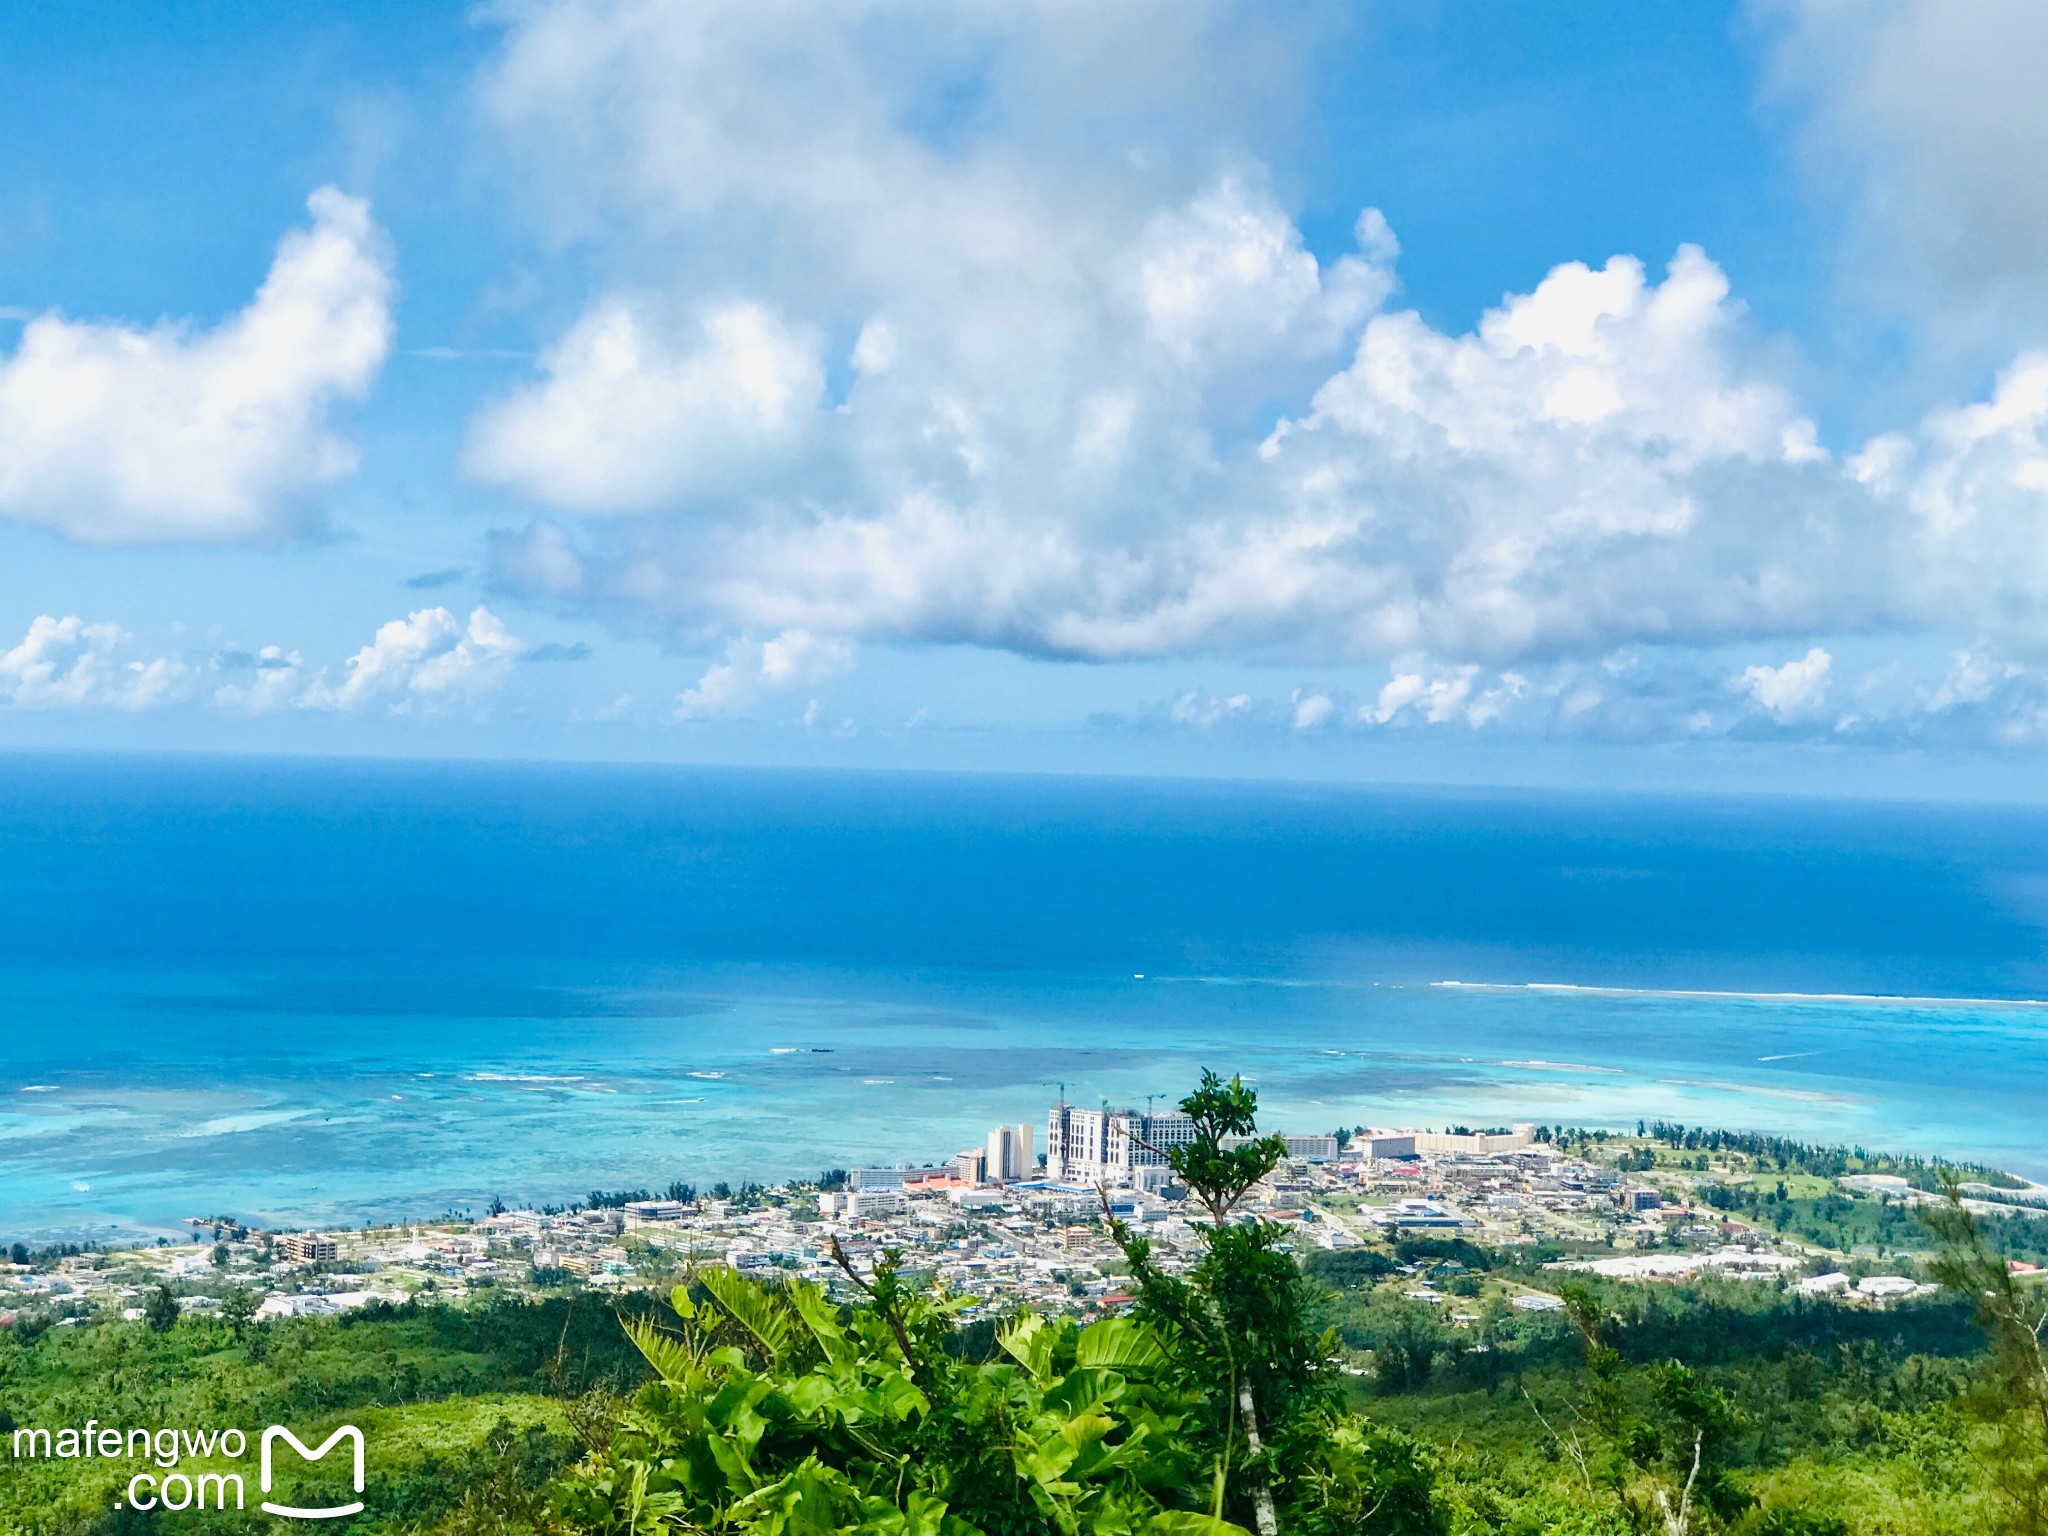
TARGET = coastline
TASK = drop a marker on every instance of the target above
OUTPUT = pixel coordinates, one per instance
(702, 1080)
(1671, 1204)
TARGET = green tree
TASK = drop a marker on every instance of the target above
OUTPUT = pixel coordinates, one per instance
(1663, 1433)
(161, 1310)
(1405, 1354)
(238, 1310)
(1348, 1268)
(1246, 1348)
(1225, 1158)
(2012, 1383)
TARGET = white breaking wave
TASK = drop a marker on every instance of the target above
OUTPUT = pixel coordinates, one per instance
(1882, 998)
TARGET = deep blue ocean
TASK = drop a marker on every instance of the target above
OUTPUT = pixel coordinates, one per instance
(311, 992)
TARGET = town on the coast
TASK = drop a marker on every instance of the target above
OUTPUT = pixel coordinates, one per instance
(1009, 1222)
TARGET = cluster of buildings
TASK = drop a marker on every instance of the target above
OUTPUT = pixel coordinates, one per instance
(999, 1224)
(291, 1274)
(1123, 1147)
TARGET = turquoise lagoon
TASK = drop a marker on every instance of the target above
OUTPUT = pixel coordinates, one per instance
(303, 992)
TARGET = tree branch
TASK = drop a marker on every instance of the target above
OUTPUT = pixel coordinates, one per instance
(888, 1312)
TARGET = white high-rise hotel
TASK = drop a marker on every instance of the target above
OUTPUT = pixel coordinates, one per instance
(1110, 1146)
(1009, 1154)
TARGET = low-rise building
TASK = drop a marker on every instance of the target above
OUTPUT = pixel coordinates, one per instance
(894, 1178)
(1823, 1285)
(638, 1211)
(309, 1248)
(874, 1204)
(1314, 1149)
(1418, 1214)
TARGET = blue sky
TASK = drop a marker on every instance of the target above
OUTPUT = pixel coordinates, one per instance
(1598, 393)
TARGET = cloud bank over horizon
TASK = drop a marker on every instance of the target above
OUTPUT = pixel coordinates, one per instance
(859, 335)
(429, 663)
(880, 390)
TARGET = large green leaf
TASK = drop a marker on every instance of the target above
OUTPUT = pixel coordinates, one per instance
(1120, 1343)
(671, 1357)
(1185, 1522)
(752, 1308)
(809, 1500)
(1084, 1389)
(818, 1314)
(730, 1455)
(1029, 1342)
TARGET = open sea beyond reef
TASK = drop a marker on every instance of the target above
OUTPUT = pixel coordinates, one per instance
(302, 992)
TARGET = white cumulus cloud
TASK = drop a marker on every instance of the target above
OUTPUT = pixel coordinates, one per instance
(754, 669)
(1056, 435)
(273, 678)
(1582, 470)
(1205, 710)
(1796, 688)
(115, 435)
(428, 660)
(1228, 275)
(1412, 696)
(1312, 710)
(69, 664)
(633, 415)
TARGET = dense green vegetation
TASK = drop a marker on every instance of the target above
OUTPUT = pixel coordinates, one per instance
(1387, 1391)
(1784, 1154)
(1828, 1411)
(1880, 1226)
(469, 1413)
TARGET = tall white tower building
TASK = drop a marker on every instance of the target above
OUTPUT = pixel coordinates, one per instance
(1105, 1146)
(1009, 1153)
